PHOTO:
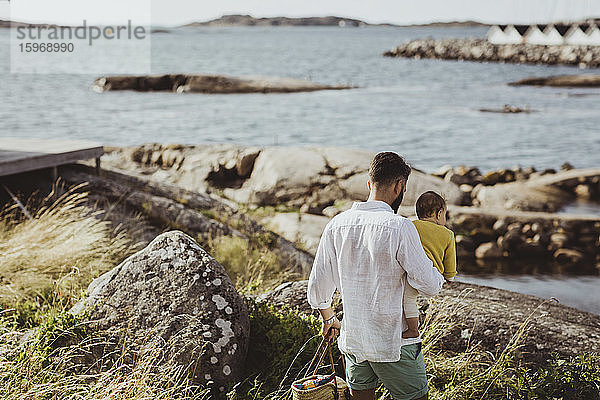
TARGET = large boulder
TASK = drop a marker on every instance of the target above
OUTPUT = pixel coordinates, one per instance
(527, 196)
(281, 175)
(173, 295)
(302, 229)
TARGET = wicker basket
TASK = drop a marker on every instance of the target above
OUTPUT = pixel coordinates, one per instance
(334, 390)
(325, 392)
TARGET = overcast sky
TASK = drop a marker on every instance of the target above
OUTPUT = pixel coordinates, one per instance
(176, 12)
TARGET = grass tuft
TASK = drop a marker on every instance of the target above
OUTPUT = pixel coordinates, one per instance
(57, 252)
(253, 267)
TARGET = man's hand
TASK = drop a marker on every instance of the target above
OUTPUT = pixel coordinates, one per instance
(330, 331)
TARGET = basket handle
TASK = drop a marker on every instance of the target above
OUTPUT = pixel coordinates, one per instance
(323, 349)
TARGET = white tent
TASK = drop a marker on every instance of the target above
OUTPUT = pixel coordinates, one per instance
(535, 36)
(553, 37)
(512, 36)
(550, 35)
(576, 36)
(594, 35)
(496, 35)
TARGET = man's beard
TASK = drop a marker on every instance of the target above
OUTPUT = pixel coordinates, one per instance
(396, 203)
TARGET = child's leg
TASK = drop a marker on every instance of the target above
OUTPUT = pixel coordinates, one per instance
(411, 311)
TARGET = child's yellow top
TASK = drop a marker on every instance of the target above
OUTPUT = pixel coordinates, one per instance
(439, 245)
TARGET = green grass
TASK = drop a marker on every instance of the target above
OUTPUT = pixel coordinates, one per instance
(250, 264)
(266, 211)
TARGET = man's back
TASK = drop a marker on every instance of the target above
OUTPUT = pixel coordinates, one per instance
(365, 253)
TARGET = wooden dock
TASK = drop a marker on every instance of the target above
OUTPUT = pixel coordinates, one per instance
(23, 155)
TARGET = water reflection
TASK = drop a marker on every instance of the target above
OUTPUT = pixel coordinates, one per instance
(572, 286)
(525, 267)
(581, 207)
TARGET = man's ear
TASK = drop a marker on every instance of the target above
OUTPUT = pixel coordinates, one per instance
(399, 187)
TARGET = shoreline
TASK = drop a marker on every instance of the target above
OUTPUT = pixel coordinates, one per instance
(481, 50)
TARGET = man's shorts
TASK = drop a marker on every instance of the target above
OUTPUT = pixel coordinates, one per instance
(405, 379)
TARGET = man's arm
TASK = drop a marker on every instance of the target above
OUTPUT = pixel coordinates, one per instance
(420, 272)
(450, 259)
(321, 283)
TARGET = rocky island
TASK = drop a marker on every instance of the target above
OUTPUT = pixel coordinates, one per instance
(208, 84)
(248, 20)
(573, 81)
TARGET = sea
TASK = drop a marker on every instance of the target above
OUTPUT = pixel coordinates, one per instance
(427, 110)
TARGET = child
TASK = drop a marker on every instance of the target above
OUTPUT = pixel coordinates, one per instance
(438, 243)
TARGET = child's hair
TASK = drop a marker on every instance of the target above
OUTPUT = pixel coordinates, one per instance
(429, 203)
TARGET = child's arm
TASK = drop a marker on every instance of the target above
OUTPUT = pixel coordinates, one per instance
(450, 259)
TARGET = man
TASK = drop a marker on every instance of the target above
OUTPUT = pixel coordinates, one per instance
(368, 253)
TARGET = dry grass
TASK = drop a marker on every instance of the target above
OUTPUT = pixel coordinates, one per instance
(252, 269)
(63, 246)
(30, 371)
(45, 263)
(473, 373)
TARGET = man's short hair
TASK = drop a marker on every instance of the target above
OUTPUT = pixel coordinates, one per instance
(387, 168)
(429, 204)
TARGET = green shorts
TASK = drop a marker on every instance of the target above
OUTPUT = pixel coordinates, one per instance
(405, 379)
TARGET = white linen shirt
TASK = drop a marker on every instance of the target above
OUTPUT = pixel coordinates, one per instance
(368, 253)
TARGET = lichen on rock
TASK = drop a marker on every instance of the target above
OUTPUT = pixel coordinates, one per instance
(173, 295)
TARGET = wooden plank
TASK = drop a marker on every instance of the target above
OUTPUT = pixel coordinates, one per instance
(23, 155)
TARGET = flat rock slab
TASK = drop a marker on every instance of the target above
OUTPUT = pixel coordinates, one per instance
(208, 84)
(585, 80)
(488, 317)
(544, 193)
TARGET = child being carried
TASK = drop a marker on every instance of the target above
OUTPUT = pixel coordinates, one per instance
(439, 245)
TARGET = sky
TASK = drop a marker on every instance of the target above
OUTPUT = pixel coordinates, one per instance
(177, 12)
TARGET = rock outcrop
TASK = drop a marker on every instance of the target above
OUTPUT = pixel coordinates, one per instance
(524, 189)
(483, 51)
(489, 317)
(572, 241)
(549, 192)
(296, 176)
(586, 80)
(174, 296)
(508, 109)
(208, 84)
